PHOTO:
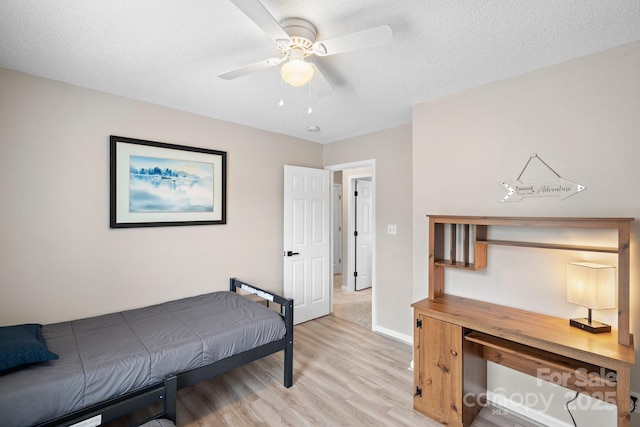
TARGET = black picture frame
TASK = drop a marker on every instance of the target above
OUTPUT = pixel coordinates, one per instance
(157, 184)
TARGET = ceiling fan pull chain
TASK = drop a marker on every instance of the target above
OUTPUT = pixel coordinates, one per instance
(281, 103)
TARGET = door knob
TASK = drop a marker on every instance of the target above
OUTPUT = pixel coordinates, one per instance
(289, 253)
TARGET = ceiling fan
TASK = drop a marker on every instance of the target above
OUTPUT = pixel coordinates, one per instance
(296, 40)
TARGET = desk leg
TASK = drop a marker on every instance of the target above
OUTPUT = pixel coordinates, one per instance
(623, 391)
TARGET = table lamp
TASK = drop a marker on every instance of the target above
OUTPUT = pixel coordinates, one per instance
(592, 286)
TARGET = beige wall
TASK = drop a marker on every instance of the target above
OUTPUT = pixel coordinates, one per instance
(583, 119)
(59, 259)
(391, 150)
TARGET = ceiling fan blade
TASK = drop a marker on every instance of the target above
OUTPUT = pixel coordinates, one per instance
(319, 84)
(263, 19)
(251, 68)
(372, 37)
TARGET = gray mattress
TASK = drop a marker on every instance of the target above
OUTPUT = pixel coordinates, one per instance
(106, 356)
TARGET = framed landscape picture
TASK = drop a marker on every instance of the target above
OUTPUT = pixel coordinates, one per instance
(155, 184)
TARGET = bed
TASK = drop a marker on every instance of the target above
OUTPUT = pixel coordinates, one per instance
(114, 364)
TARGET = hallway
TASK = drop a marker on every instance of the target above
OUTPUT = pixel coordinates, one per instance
(354, 307)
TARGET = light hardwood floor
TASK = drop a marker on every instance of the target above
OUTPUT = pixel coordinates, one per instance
(344, 375)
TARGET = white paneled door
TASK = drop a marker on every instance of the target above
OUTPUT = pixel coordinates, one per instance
(364, 230)
(307, 241)
(336, 232)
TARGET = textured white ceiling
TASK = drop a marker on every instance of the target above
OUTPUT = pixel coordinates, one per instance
(169, 52)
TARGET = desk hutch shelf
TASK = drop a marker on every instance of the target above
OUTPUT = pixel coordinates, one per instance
(455, 336)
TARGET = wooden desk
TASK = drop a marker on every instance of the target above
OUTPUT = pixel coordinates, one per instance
(454, 336)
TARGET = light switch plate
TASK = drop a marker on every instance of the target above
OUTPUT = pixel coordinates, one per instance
(392, 229)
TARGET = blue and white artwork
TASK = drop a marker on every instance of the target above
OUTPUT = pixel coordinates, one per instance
(169, 185)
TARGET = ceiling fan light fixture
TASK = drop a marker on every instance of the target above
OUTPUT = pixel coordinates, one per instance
(296, 72)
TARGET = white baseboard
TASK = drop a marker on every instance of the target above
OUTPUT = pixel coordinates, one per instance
(524, 411)
(393, 334)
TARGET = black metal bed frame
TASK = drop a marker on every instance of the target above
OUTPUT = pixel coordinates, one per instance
(166, 391)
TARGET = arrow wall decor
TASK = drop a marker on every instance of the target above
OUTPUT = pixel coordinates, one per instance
(518, 190)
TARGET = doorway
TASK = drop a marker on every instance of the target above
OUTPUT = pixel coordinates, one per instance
(358, 272)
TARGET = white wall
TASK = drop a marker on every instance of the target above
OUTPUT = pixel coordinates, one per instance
(391, 150)
(58, 258)
(581, 117)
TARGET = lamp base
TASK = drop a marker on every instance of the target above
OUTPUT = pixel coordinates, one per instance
(594, 326)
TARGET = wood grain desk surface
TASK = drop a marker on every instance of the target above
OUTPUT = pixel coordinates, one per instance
(552, 334)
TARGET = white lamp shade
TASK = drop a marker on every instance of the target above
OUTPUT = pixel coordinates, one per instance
(591, 285)
(297, 72)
